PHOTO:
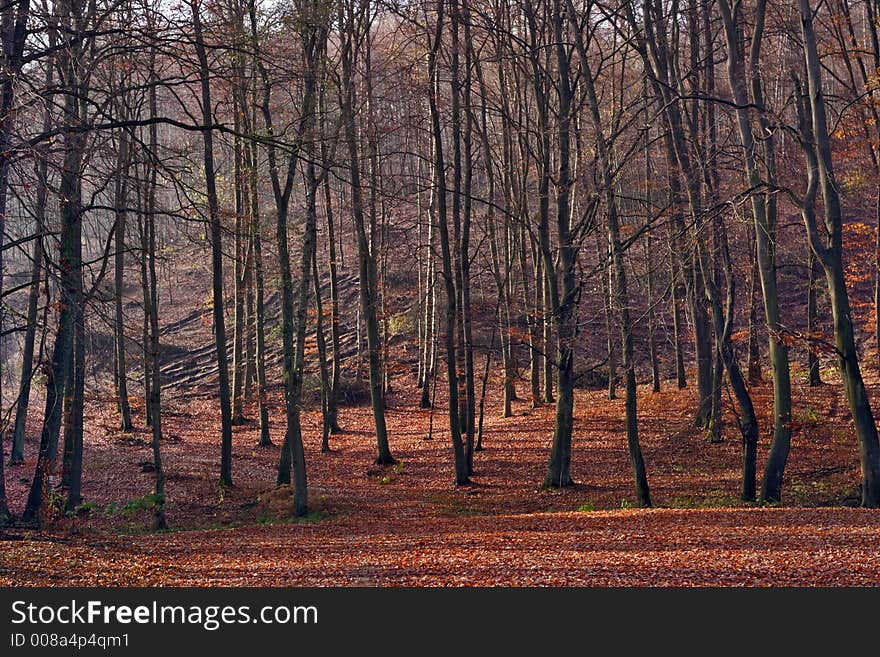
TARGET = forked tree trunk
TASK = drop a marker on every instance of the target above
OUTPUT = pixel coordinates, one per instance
(620, 291)
(73, 82)
(764, 213)
(564, 303)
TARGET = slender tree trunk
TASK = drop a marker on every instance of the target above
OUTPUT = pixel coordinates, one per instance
(608, 307)
(265, 438)
(336, 367)
(239, 264)
(536, 329)
(368, 278)
(67, 422)
(754, 348)
(430, 319)
(250, 364)
(461, 469)
(486, 367)
(649, 263)
(74, 459)
(27, 362)
(151, 309)
(676, 286)
(121, 200)
(159, 521)
(216, 252)
(467, 186)
(145, 290)
(259, 287)
(812, 320)
(877, 279)
(322, 358)
(14, 27)
(547, 342)
(620, 290)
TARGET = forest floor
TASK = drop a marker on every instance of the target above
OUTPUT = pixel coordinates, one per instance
(408, 525)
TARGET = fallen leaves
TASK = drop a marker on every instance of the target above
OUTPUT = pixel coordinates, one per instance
(408, 525)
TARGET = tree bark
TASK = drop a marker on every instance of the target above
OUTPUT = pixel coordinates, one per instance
(764, 214)
(216, 251)
(75, 85)
(367, 270)
(814, 129)
(461, 469)
(123, 161)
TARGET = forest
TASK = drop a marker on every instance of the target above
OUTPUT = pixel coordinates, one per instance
(439, 292)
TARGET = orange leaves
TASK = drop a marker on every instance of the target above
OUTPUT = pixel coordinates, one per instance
(504, 530)
(741, 336)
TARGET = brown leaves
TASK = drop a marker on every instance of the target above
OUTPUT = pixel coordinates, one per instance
(408, 525)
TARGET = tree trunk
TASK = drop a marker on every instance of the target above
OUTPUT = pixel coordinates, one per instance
(73, 435)
(821, 174)
(617, 265)
(367, 271)
(608, 308)
(120, 201)
(259, 287)
(27, 358)
(461, 469)
(322, 358)
(216, 252)
(335, 372)
(754, 349)
(240, 255)
(70, 263)
(764, 213)
(465, 263)
(812, 319)
(14, 26)
(151, 309)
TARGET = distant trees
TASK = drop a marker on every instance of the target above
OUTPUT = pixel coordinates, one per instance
(567, 187)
